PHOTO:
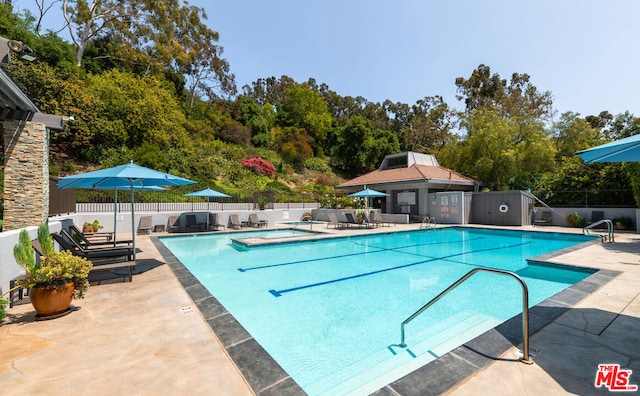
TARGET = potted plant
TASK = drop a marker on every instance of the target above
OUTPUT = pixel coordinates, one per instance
(262, 202)
(90, 227)
(360, 216)
(53, 280)
(577, 220)
(623, 222)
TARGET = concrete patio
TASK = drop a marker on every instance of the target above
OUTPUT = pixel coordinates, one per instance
(148, 338)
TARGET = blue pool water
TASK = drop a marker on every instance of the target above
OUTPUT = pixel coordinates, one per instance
(327, 310)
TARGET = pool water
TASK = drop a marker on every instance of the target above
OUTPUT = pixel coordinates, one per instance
(329, 310)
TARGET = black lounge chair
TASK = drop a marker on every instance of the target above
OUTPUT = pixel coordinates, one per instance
(67, 243)
(214, 225)
(128, 265)
(192, 223)
(88, 242)
(545, 218)
(352, 221)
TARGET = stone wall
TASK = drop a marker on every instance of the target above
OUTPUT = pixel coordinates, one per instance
(26, 174)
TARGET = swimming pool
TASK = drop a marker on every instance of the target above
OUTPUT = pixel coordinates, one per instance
(328, 310)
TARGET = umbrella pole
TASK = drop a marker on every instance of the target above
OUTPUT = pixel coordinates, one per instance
(133, 222)
(115, 214)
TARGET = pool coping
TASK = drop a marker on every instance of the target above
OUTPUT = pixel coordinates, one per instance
(266, 377)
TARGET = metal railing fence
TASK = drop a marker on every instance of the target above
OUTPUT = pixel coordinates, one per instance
(588, 198)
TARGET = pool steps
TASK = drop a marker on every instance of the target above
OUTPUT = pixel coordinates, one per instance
(385, 367)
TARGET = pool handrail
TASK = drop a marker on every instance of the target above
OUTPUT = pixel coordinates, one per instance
(609, 224)
(427, 223)
(525, 307)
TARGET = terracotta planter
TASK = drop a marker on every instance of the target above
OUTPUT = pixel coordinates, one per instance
(51, 302)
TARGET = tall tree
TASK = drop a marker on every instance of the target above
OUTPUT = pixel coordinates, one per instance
(427, 128)
(572, 133)
(506, 144)
(498, 152)
(304, 108)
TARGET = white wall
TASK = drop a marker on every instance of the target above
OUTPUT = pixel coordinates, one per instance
(9, 269)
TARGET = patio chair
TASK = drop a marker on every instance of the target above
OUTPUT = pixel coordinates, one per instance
(173, 224)
(234, 222)
(214, 225)
(67, 243)
(97, 236)
(596, 216)
(254, 221)
(545, 218)
(145, 226)
(81, 237)
(352, 221)
(377, 220)
(192, 223)
(333, 221)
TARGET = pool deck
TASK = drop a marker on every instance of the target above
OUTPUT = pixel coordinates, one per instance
(148, 337)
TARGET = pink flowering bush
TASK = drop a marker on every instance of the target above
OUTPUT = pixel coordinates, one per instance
(259, 166)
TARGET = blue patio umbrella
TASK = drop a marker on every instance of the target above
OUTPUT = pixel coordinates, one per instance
(368, 193)
(131, 175)
(209, 193)
(623, 150)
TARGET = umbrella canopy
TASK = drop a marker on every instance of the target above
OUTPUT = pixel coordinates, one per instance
(209, 193)
(368, 193)
(623, 150)
(124, 175)
(131, 175)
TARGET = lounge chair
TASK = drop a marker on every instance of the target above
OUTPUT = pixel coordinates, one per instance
(192, 223)
(88, 242)
(214, 225)
(145, 226)
(234, 222)
(596, 216)
(333, 221)
(173, 224)
(95, 236)
(67, 243)
(545, 218)
(254, 221)
(376, 219)
(352, 221)
(97, 266)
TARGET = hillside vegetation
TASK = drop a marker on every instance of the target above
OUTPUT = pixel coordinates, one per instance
(157, 90)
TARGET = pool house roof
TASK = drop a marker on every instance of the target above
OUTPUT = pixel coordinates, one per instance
(409, 167)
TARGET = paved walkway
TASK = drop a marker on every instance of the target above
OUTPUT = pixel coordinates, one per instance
(604, 327)
(147, 338)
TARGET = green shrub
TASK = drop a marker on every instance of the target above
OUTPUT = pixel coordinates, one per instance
(623, 222)
(577, 220)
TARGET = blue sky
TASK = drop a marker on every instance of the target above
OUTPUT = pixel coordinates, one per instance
(585, 52)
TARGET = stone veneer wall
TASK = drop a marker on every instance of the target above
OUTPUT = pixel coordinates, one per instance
(26, 174)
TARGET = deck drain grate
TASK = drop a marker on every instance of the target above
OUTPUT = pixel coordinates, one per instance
(186, 310)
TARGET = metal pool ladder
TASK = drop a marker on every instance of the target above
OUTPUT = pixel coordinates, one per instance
(428, 222)
(604, 238)
(525, 308)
